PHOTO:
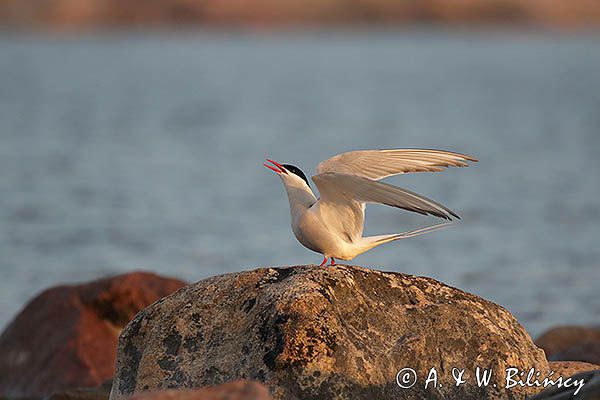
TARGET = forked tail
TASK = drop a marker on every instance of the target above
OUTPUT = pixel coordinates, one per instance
(373, 241)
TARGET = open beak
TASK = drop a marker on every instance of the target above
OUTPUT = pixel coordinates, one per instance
(277, 167)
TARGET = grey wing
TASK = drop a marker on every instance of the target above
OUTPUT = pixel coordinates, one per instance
(340, 188)
(343, 215)
(379, 164)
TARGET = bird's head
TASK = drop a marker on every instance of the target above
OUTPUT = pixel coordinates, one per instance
(292, 176)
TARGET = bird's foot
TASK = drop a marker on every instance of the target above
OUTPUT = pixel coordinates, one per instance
(332, 262)
(324, 261)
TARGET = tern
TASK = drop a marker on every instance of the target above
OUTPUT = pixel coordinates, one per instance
(333, 223)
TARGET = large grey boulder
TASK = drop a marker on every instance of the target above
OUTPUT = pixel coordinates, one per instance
(324, 333)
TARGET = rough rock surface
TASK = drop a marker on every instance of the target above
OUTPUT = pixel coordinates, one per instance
(570, 368)
(238, 390)
(571, 343)
(67, 336)
(323, 333)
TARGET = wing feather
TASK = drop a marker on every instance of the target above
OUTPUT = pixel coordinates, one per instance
(379, 164)
(348, 189)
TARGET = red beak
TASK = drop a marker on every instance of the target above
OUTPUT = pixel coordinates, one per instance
(279, 168)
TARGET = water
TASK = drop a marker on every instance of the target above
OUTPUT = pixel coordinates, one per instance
(130, 151)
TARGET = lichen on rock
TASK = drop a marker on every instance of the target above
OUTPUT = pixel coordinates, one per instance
(324, 333)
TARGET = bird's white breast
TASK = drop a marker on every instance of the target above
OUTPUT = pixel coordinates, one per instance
(310, 230)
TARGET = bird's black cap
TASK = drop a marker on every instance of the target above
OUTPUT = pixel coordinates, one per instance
(297, 171)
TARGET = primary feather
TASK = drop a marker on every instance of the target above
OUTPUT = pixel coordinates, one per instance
(342, 188)
(379, 164)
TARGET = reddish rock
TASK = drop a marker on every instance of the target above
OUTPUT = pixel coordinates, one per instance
(571, 343)
(238, 390)
(67, 336)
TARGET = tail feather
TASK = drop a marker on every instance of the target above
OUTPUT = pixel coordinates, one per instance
(373, 241)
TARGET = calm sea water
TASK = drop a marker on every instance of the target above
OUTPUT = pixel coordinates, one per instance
(130, 151)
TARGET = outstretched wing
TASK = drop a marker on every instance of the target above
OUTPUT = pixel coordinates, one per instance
(379, 164)
(349, 189)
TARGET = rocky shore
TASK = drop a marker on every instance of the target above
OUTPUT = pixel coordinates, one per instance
(288, 333)
(61, 14)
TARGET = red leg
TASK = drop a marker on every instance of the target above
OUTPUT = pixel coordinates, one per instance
(332, 262)
(324, 262)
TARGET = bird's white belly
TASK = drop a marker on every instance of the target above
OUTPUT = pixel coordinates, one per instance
(313, 234)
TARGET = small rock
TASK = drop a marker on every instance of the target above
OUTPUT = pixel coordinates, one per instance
(66, 337)
(324, 333)
(571, 343)
(570, 368)
(589, 391)
(101, 392)
(238, 390)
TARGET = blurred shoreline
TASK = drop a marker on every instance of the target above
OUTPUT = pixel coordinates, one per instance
(92, 14)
